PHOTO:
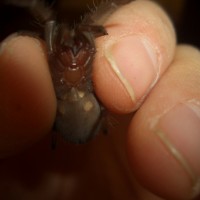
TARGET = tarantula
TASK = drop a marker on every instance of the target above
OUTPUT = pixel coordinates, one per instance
(70, 54)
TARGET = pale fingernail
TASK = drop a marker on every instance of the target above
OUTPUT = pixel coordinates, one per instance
(13, 40)
(134, 61)
(6, 42)
(179, 131)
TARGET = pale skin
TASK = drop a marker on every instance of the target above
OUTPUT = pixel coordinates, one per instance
(158, 145)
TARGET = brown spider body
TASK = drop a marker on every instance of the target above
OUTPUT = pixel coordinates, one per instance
(71, 53)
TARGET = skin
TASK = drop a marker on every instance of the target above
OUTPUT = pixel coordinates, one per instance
(133, 161)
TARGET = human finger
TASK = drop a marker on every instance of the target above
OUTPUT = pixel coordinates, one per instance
(27, 99)
(164, 136)
(137, 50)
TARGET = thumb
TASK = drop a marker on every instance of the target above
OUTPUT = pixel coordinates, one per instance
(164, 136)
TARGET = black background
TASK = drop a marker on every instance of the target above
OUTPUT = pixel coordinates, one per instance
(14, 19)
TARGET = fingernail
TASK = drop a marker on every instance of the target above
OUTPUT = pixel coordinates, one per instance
(6, 42)
(179, 131)
(134, 61)
(14, 40)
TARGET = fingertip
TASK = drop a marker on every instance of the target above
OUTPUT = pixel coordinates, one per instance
(111, 92)
(27, 99)
(131, 58)
(155, 167)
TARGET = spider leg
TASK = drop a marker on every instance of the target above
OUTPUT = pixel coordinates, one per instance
(96, 30)
(49, 34)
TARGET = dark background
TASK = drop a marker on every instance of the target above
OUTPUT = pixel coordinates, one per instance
(185, 15)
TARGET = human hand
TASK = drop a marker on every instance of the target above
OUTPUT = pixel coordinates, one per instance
(160, 144)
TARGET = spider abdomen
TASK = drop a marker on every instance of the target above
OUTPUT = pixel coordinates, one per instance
(78, 116)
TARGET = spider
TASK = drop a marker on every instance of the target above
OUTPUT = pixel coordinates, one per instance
(70, 54)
